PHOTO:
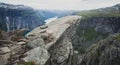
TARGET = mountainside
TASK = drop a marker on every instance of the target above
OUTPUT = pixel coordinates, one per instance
(15, 17)
(59, 43)
(105, 52)
(88, 38)
(52, 13)
(113, 11)
(96, 25)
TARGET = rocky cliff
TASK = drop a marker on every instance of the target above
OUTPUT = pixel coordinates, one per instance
(69, 40)
(69, 45)
(57, 39)
(94, 29)
(96, 25)
(38, 45)
(105, 52)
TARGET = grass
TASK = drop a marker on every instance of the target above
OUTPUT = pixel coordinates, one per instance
(117, 37)
(29, 63)
(97, 13)
(90, 34)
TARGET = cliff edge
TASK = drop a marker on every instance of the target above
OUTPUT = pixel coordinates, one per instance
(54, 39)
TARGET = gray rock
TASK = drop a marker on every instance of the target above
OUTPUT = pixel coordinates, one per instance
(62, 49)
(43, 27)
(23, 40)
(4, 58)
(38, 55)
(106, 52)
(16, 49)
(21, 43)
(43, 31)
(4, 50)
(61, 52)
(44, 35)
(35, 41)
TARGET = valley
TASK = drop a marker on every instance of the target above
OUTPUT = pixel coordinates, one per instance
(42, 37)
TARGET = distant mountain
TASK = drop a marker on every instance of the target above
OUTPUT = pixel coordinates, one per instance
(113, 11)
(52, 13)
(15, 17)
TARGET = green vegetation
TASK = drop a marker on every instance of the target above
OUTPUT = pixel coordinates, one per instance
(27, 13)
(97, 13)
(103, 12)
(29, 63)
(90, 34)
(117, 37)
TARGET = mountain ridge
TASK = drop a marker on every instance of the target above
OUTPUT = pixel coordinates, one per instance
(14, 17)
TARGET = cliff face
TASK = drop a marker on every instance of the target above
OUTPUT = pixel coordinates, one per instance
(105, 52)
(15, 17)
(96, 25)
(85, 50)
(108, 25)
(65, 42)
(83, 37)
(57, 37)
(70, 40)
(94, 29)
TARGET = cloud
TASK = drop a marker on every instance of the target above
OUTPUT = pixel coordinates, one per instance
(64, 4)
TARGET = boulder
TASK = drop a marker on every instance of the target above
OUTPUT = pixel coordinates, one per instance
(43, 27)
(23, 40)
(35, 40)
(16, 49)
(21, 43)
(4, 50)
(36, 43)
(43, 31)
(38, 55)
(4, 58)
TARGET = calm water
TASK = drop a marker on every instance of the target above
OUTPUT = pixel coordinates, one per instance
(50, 19)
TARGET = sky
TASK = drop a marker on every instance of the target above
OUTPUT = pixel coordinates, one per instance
(64, 4)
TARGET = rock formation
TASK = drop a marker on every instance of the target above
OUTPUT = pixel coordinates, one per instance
(70, 40)
(63, 42)
(105, 52)
(57, 42)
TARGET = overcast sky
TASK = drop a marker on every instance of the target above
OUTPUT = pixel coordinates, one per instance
(64, 4)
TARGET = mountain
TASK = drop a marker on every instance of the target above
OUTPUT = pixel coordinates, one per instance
(70, 40)
(52, 13)
(113, 11)
(15, 17)
(88, 38)
(96, 25)
(95, 39)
